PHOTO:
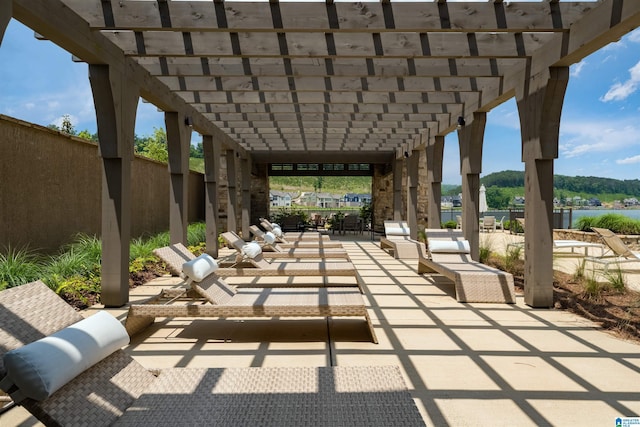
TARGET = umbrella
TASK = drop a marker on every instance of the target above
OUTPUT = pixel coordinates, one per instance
(483, 199)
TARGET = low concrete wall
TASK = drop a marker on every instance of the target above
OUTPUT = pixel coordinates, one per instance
(50, 186)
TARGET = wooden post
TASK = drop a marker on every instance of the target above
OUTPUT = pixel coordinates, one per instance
(178, 140)
(246, 198)
(397, 189)
(232, 196)
(540, 100)
(412, 193)
(211, 151)
(434, 153)
(115, 100)
(470, 138)
(6, 11)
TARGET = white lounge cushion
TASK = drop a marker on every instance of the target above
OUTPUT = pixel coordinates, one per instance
(200, 267)
(448, 246)
(269, 238)
(277, 231)
(40, 368)
(251, 250)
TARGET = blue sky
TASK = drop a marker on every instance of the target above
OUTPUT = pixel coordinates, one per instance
(599, 132)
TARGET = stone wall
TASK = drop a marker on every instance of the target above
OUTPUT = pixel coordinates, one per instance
(382, 188)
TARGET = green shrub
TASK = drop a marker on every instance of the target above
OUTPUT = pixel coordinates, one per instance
(617, 223)
(615, 279)
(449, 224)
(196, 233)
(19, 266)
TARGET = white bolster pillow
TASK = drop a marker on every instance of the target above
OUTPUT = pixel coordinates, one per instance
(200, 267)
(397, 231)
(269, 238)
(448, 246)
(251, 250)
(277, 231)
(42, 367)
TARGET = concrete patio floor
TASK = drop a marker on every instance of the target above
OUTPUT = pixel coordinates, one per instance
(465, 364)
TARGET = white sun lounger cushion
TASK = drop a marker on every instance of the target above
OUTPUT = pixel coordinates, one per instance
(251, 250)
(40, 368)
(397, 231)
(277, 231)
(448, 246)
(269, 238)
(200, 267)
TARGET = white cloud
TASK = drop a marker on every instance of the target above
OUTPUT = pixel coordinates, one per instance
(634, 36)
(629, 160)
(576, 69)
(621, 91)
(580, 138)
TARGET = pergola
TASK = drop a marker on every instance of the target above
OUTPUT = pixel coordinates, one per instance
(365, 82)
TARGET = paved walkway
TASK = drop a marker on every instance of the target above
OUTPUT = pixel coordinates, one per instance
(465, 364)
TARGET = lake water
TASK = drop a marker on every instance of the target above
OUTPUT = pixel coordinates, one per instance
(450, 215)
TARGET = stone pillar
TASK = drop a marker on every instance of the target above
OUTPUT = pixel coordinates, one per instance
(232, 195)
(178, 140)
(434, 152)
(397, 189)
(211, 151)
(115, 100)
(6, 10)
(470, 138)
(412, 193)
(540, 100)
(246, 198)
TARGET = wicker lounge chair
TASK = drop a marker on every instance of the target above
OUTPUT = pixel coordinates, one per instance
(397, 241)
(314, 250)
(258, 266)
(447, 253)
(618, 252)
(312, 236)
(174, 256)
(302, 244)
(117, 390)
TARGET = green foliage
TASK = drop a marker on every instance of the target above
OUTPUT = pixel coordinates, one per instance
(579, 273)
(196, 164)
(617, 223)
(592, 288)
(67, 126)
(615, 279)
(153, 147)
(19, 266)
(512, 259)
(485, 254)
(328, 184)
(196, 233)
(89, 246)
(449, 224)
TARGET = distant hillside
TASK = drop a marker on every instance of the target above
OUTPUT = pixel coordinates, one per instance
(574, 184)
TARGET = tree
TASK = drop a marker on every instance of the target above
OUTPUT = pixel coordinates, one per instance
(155, 147)
(67, 126)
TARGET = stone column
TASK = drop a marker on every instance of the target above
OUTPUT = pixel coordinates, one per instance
(540, 100)
(412, 193)
(211, 151)
(232, 196)
(470, 138)
(246, 198)
(116, 101)
(397, 189)
(434, 153)
(178, 140)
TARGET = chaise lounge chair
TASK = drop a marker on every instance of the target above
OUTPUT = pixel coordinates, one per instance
(262, 237)
(117, 390)
(292, 253)
(448, 254)
(176, 255)
(312, 236)
(560, 244)
(258, 266)
(618, 252)
(397, 241)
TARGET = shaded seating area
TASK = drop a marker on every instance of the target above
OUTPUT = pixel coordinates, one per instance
(448, 253)
(117, 390)
(397, 241)
(617, 251)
